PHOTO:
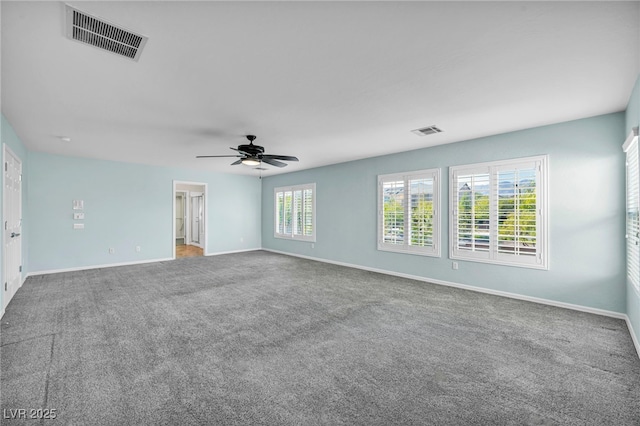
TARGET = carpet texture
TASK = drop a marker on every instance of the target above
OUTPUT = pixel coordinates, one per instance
(260, 338)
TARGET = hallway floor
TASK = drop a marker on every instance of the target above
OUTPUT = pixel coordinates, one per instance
(184, 250)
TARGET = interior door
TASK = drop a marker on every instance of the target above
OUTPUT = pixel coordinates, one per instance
(12, 202)
(180, 217)
(197, 219)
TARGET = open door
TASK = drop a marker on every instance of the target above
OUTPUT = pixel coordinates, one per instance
(197, 219)
(12, 216)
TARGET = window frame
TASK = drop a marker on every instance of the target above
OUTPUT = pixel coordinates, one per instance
(493, 255)
(432, 251)
(292, 235)
(632, 182)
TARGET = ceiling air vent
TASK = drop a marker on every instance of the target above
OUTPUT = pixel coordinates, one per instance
(427, 131)
(103, 35)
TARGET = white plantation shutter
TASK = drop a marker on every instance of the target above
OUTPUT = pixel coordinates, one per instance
(393, 211)
(633, 210)
(295, 212)
(498, 212)
(298, 212)
(280, 206)
(420, 210)
(308, 213)
(518, 217)
(408, 205)
(470, 203)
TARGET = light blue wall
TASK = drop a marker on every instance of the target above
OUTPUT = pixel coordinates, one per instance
(128, 205)
(14, 143)
(632, 113)
(587, 248)
(633, 298)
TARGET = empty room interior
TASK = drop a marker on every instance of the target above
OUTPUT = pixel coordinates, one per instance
(315, 212)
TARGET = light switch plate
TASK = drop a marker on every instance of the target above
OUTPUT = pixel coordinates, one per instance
(78, 226)
(78, 204)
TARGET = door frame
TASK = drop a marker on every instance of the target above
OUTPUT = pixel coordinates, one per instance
(205, 193)
(6, 149)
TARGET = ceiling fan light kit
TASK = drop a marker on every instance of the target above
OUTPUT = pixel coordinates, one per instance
(253, 155)
(250, 162)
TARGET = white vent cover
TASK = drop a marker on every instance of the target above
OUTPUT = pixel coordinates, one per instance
(427, 131)
(103, 35)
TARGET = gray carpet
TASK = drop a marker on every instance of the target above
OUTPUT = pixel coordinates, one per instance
(264, 339)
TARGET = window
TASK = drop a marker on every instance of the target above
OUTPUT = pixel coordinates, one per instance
(408, 205)
(295, 212)
(633, 209)
(498, 212)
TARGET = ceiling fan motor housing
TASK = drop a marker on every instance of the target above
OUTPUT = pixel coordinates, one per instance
(251, 149)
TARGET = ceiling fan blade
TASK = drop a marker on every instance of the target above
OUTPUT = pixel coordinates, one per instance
(273, 162)
(216, 156)
(237, 162)
(240, 151)
(281, 157)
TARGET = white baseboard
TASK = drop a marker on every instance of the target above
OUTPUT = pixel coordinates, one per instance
(111, 265)
(633, 335)
(467, 287)
(232, 251)
(84, 268)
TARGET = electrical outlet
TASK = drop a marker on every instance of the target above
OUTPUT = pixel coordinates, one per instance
(111, 250)
(313, 245)
(138, 249)
(454, 265)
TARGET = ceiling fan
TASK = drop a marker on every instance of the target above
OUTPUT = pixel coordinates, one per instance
(253, 155)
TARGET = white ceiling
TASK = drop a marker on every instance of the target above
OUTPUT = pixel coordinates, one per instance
(327, 82)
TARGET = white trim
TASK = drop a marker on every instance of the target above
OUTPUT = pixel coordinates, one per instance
(636, 343)
(632, 135)
(107, 265)
(510, 295)
(218, 253)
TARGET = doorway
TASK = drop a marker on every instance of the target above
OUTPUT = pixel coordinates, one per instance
(12, 216)
(189, 219)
